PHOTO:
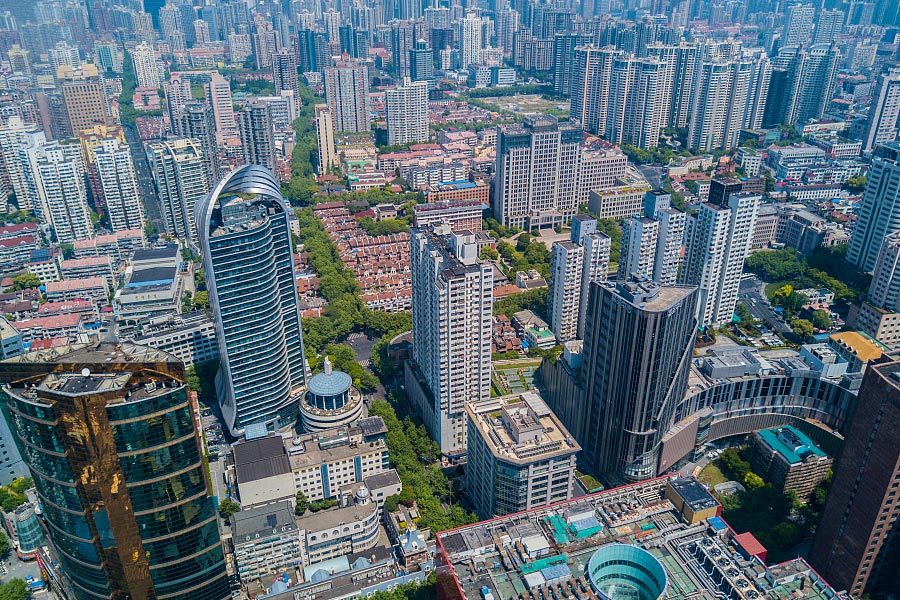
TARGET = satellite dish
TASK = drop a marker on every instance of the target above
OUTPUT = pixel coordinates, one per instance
(85, 372)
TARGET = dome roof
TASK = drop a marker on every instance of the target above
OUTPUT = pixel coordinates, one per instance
(330, 383)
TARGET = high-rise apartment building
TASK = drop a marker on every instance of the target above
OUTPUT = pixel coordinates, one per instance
(245, 242)
(829, 25)
(470, 40)
(84, 96)
(451, 312)
(564, 297)
(284, 74)
(721, 101)
(218, 95)
(14, 135)
(257, 134)
(798, 24)
(714, 260)
(883, 123)
(590, 86)
(146, 73)
(669, 243)
(407, 113)
(347, 93)
(325, 139)
(855, 543)
(640, 235)
(55, 177)
(118, 184)
(884, 291)
(537, 171)
(109, 435)
(809, 79)
(523, 459)
(637, 110)
(646, 331)
(421, 62)
(595, 266)
(198, 121)
(178, 95)
(180, 178)
(879, 213)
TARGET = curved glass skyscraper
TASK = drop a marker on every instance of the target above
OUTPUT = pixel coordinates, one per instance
(109, 435)
(246, 246)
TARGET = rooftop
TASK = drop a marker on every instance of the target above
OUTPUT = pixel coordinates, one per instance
(790, 443)
(329, 382)
(865, 347)
(260, 458)
(251, 524)
(548, 549)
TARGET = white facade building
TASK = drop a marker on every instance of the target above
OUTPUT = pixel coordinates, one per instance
(146, 72)
(407, 113)
(564, 299)
(118, 183)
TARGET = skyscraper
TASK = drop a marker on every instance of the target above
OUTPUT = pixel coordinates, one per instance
(178, 95)
(118, 183)
(811, 75)
(564, 297)
(55, 178)
(180, 178)
(15, 134)
(84, 97)
(146, 73)
(198, 121)
(407, 113)
(855, 543)
(451, 312)
(721, 101)
(714, 261)
(218, 95)
(883, 123)
(637, 110)
(884, 291)
(257, 135)
(828, 26)
(245, 242)
(657, 204)
(471, 41)
(798, 24)
(879, 213)
(647, 332)
(421, 62)
(591, 86)
(108, 433)
(537, 170)
(347, 93)
(284, 74)
(640, 235)
(325, 138)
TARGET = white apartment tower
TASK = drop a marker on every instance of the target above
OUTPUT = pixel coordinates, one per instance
(883, 124)
(798, 24)
(347, 93)
(325, 138)
(595, 268)
(118, 183)
(564, 299)
(590, 87)
(638, 254)
(471, 41)
(218, 95)
(407, 113)
(884, 291)
(637, 109)
(721, 240)
(56, 174)
(14, 135)
(879, 213)
(451, 315)
(180, 177)
(721, 100)
(652, 242)
(146, 73)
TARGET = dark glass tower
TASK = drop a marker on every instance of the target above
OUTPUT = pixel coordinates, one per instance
(108, 433)
(639, 339)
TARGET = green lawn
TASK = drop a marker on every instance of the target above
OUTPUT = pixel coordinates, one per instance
(712, 475)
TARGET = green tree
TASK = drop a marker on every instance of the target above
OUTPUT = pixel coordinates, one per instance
(25, 281)
(734, 465)
(488, 253)
(744, 314)
(522, 242)
(821, 319)
(856, 185)
(201, 299)
(228, 507)
(802, 328)
(753, 481)
(392, 503)
(15, 588)
(302, 504)
(4, 543)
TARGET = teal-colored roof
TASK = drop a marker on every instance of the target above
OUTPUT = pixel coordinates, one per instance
(792, 451)
(325, 384)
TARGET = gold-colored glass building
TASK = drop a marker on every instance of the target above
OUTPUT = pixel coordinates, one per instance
(108, 433)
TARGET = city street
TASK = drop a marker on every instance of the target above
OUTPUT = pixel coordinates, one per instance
(752, 294)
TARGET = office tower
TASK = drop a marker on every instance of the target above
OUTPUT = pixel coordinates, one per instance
(537, 169)
(855, 543)
(884, 291)
(721, 187)
(883, 123)
(257, 135)
(178, 95)
(421, 62)
(325, 139)
(284, 74)
(829, 26)
(522, 459)
(218, 95)
(146, 73)
(198, 121)
(638, 254)
(506, 25)
(637, 111)
(722, 93)
(879, 213)
(798, 24)
(55, 174)
(564, 297)
(180, 178)
(646, 331)
(407, 113)
(470, 41)
(245, 241)
(109, 435)
(347, 93)
(714, 261)
(118, 185)
(13, 136)
(591, 87)
(84, 97)
(451, 313)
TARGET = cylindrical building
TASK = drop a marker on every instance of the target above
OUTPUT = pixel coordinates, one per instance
(330, 401)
